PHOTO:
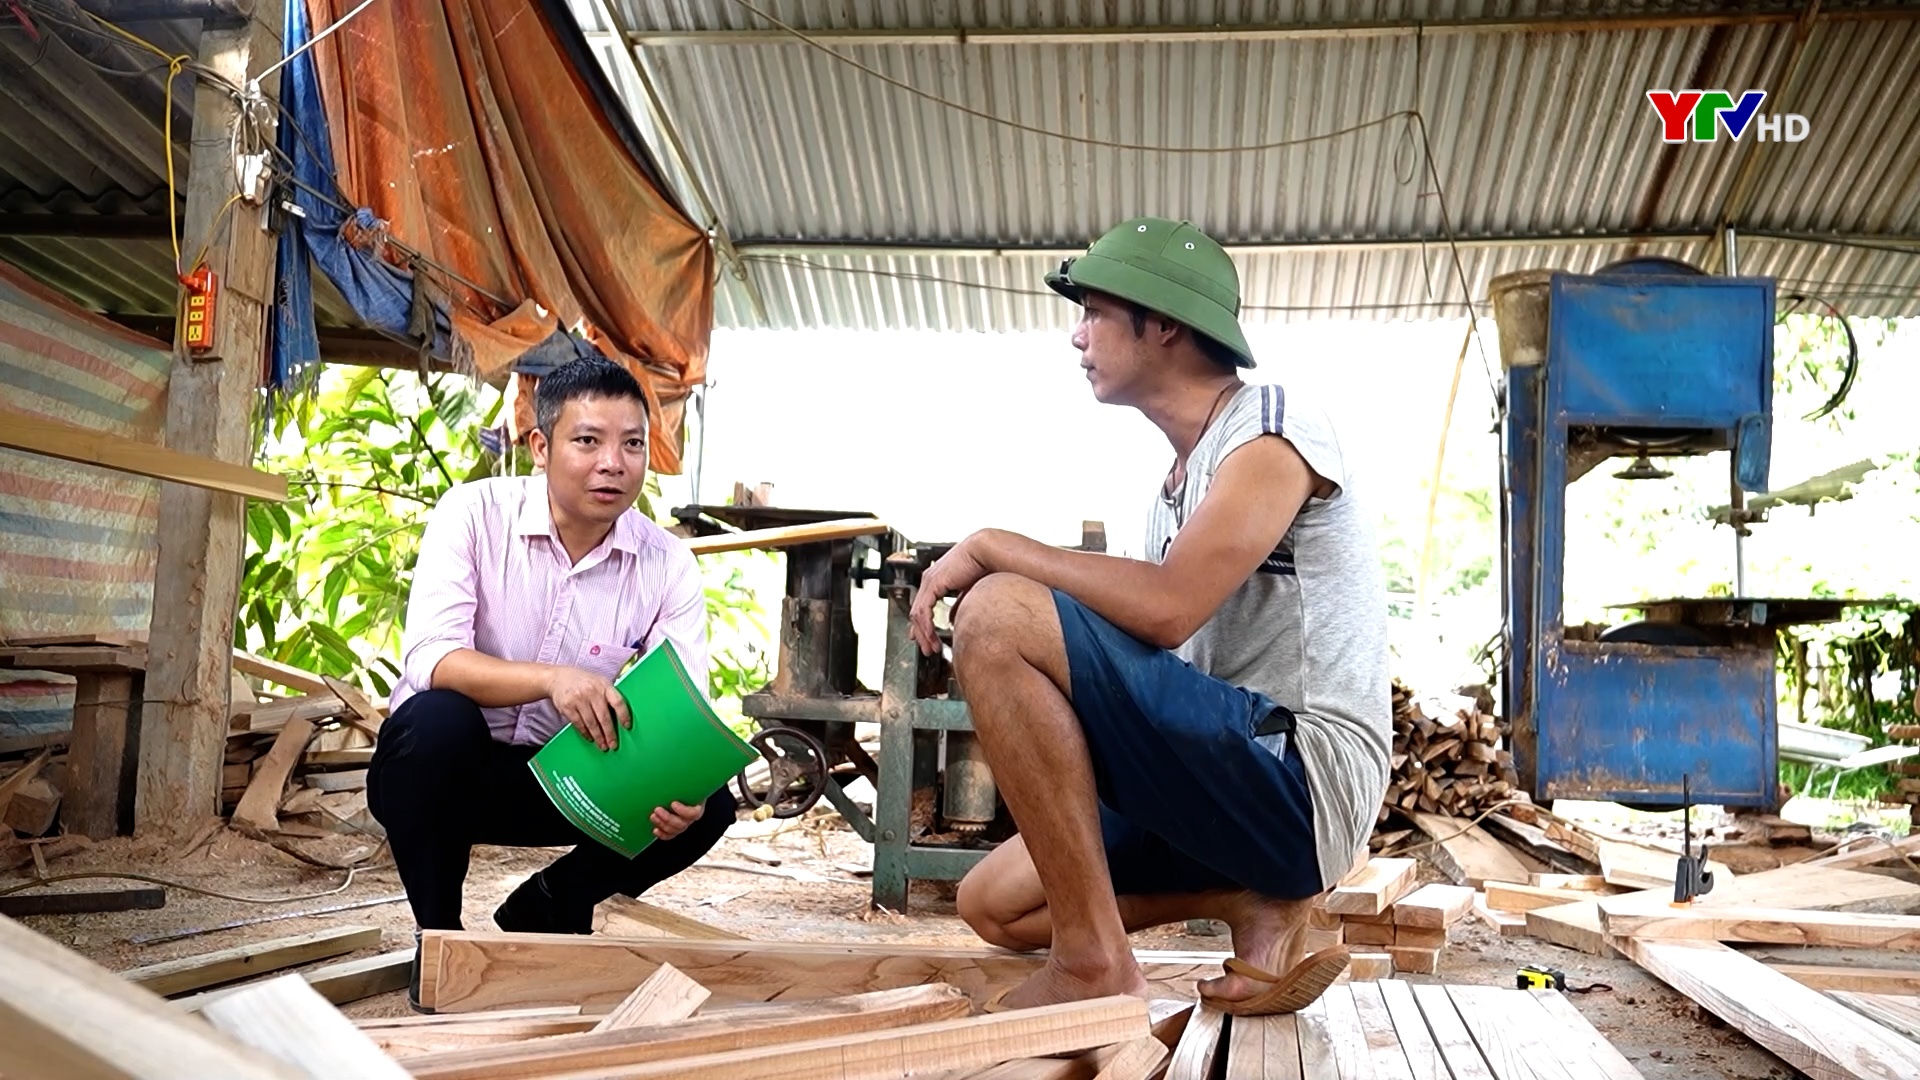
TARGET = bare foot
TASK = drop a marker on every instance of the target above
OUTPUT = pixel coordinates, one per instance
(1057, 983)
(1268, 934)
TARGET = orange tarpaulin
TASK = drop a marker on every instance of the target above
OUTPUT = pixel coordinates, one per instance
(468, 128)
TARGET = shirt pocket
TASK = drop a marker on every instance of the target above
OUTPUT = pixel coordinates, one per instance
(603, 658)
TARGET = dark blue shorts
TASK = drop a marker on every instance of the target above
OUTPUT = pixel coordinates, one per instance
(1189, 802)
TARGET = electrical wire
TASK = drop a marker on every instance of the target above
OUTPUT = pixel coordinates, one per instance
(184, 887)
(1085, 140)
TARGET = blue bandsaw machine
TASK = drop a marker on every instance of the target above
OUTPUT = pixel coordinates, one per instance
(1641, 361)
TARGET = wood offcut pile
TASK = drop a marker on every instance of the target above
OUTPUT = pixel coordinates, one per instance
(1447, 756)
(295, 766)
(709, 1006)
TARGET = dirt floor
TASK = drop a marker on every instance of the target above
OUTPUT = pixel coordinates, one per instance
(1664, 1034)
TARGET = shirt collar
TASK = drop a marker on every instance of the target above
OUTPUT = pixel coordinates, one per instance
(535, 519)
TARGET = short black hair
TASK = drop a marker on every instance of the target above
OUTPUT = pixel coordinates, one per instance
(589, 376)
(1224, 358)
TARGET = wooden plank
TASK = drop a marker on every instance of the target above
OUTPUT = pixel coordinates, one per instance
(1805, 1028)
(64, 1017)
(1514, 897)
(283, 1017)
(42, 740)
(1613, 1065)
(1450, 1033)
(17, 905)
(107, 659)
(22, 777)
(778, 1024)
(1572, 926)
(1773, 926)
(1316, 1042)
(349, 780)
(464, 971)
(1433, 906)
(1136, 1059)
(1509, 1053)
(274, 671)
(1895, 1012)
(1867, 851)
(102, 760)
(411, 1042)
(1263, 1048)
(88, 446)
(1414, 961)
(342, 983)
(1864, 980)
(1199, 1045)
(1368, 966)
(1637, 866)
(1540, 1035)
(1351, 1055)
(1468, 854)
(259, 809)
(274, 715)
(1505, 923)
(1410, 1028)
(924, 1048)
(786, 536)
(1419, 937)
(1375, 888)
(171, 977)
(1389, 1059)
(497, 1016)
(666, 996)
(1591, 883)
(631, 913)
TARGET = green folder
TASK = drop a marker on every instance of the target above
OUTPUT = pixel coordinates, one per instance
(678, 749)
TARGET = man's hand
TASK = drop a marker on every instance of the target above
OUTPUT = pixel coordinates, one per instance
(960, 569)
(669, 822)
(589, 703)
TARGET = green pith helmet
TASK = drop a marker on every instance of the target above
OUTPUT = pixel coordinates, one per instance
(1167, 267)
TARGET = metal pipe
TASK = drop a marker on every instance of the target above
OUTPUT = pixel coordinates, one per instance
(1737, 498)
(1301, 247)
(1157, 35)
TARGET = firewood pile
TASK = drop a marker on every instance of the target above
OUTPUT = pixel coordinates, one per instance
(1447, 756)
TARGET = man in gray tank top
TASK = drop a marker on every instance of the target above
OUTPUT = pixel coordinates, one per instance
(1202, 733)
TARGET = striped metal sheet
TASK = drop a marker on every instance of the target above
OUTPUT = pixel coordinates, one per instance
(77, 542)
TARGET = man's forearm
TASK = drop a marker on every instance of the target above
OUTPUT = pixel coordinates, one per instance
(491, 682)
(1131, 594)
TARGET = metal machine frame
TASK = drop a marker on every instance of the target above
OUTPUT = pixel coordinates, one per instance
(930, 770)
(1641, 365)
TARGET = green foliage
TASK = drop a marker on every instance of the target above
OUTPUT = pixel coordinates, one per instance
(1830, 673)
(367, 455)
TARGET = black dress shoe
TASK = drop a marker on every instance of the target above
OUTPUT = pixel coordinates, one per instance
(533, 909)
(413, 979)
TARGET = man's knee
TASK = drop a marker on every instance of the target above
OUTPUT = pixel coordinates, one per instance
(999, 612)
(422, 742)
(975, 905)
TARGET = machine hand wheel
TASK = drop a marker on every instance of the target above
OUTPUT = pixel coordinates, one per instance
(796, 774)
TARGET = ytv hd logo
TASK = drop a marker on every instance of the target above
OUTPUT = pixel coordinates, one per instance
(1700, 115)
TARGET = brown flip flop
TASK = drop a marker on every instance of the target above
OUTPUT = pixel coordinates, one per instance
(1295, 990)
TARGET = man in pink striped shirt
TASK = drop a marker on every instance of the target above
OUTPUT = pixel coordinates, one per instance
(529, 595)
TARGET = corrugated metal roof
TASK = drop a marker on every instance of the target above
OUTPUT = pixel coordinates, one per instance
(80, 136)
(817, 167)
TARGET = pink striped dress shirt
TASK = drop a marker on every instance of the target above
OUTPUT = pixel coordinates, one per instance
(494, 577)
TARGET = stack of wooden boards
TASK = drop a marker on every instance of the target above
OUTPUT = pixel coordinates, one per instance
(298, 766)
(1390, 923)
(548, 1006)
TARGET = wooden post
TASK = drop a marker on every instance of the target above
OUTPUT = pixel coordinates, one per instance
(210, 403)
(99, 800)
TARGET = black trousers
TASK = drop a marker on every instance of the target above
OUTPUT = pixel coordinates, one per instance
(440, 784)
